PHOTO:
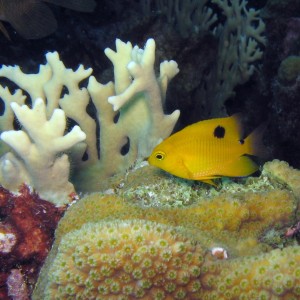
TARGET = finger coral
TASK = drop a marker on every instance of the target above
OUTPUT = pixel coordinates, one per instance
(239, 32)
(129, 113)
(37, 152)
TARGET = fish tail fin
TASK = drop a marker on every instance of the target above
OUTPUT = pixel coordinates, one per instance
(254, 142)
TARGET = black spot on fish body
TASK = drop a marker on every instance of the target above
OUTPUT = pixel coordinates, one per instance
(219, 132)
(242, 141)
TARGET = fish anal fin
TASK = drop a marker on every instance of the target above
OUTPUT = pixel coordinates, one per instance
(193, 176)
(209, 181)
(205, 179)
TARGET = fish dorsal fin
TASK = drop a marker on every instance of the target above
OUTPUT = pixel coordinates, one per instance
(254, 142)
(233, 127)
(228, 128)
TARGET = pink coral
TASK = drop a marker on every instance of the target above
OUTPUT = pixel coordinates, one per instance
(17, 288)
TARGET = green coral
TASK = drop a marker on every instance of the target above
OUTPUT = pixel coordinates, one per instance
(289, 69)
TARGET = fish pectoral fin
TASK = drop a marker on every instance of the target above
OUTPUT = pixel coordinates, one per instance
(242, 166)
(193, 176)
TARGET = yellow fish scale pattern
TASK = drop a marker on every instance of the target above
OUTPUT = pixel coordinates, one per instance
(125, 260)
(215, 152)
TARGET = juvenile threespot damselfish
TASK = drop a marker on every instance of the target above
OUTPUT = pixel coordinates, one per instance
(210, 149)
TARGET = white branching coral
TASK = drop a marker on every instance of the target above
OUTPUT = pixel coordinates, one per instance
(138, 100)
(141, 69)
(133, 118)
(36, 147)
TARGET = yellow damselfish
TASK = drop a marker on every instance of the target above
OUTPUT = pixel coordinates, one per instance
(209, 149)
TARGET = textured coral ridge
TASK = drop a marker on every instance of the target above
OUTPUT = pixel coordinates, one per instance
(125, 258)
(145, 260)
(236, 220)
(26, 233)
(280, 171)
(274, 275)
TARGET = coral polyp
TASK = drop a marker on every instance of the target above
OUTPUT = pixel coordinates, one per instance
(127, 259)
(219, 247)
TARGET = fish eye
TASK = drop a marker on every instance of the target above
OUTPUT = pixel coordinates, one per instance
(160, 155)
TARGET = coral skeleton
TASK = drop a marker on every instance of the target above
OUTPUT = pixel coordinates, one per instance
(129, 113)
